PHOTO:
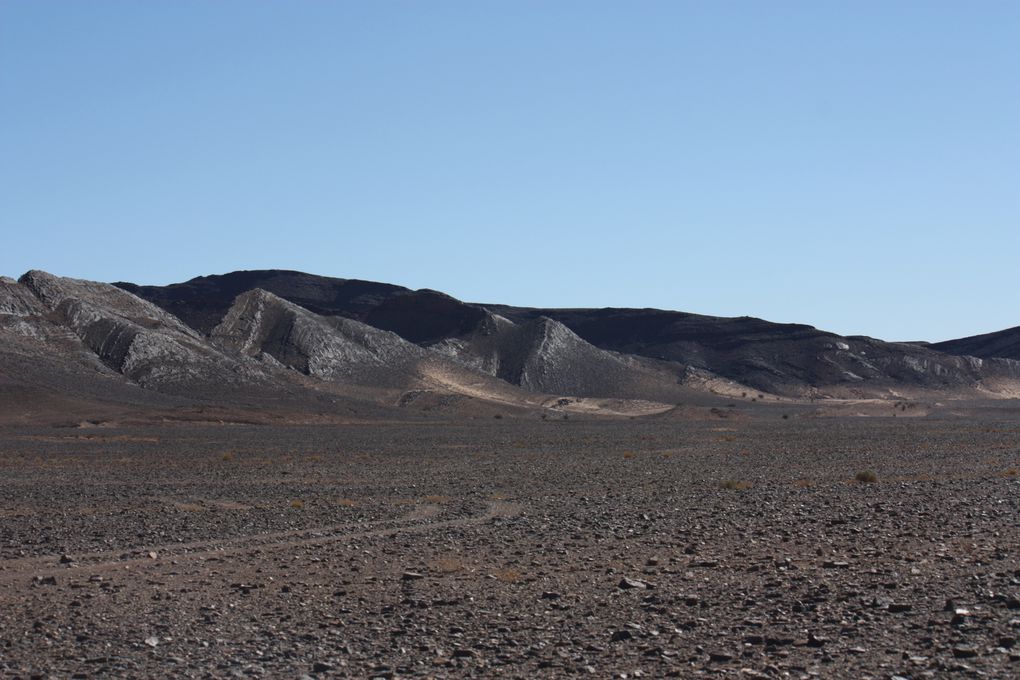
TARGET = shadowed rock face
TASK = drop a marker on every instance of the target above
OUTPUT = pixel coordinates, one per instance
(204, 301)
(329, 348)
(1001, 344)
(781, 358)
(543, 355)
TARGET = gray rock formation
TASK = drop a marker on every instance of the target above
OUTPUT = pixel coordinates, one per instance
(329, 348)
(543, 355)
(127, 334)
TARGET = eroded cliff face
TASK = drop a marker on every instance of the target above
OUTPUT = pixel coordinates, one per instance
(542, 355)
(329, 348)
(127, 334)
(348, 353)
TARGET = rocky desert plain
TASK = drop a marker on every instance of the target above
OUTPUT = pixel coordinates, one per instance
(275, 475)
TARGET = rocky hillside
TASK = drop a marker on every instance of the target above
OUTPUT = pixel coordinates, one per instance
(71, 341)
(342, 351)
(539, 355)
(788, 359)
(1001, 344)
(543, 355)
(116, 333)
(605, 351)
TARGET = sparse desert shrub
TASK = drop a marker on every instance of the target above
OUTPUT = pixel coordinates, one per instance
(228, 456)
(866, 477)
(734, 485)
(628, 455)
(498, 416)
(297, 504)
(447, 565)
(786, 416)
(507, 575)
(1012, 472)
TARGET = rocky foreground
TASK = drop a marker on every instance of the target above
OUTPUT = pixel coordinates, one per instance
(750, 547)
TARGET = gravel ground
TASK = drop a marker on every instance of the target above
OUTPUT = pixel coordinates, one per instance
(720, 547)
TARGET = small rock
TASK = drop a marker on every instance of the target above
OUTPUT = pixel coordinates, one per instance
(965, 651)
(621, 636)
(66, 559)
(321, 667)
(720, 657)
(411, 576)
(633, 584)
(152, 641)
(833, 564)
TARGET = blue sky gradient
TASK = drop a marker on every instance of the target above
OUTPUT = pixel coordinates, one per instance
(855, 166)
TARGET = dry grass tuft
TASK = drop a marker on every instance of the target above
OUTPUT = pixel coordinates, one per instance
(447, 565)
(507, 575)
(1012, 472)
(228, 456)
(628, 455)
(734, 485)
(866, 477)
(297, 504)
(803, 483)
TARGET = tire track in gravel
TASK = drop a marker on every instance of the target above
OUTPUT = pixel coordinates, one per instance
(177, 550)
(416, 521)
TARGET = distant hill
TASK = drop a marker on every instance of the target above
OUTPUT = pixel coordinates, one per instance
(1000, 344)
(603, 352)
(278, 342)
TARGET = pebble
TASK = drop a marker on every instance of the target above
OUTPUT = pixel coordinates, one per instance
(633, 584)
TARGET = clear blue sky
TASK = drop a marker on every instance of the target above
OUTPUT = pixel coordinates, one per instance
(852, 165)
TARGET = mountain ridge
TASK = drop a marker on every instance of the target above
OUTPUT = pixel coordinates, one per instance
(280, 340)
(781, 358)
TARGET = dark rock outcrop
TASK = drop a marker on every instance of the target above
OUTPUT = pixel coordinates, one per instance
(1003, 344)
